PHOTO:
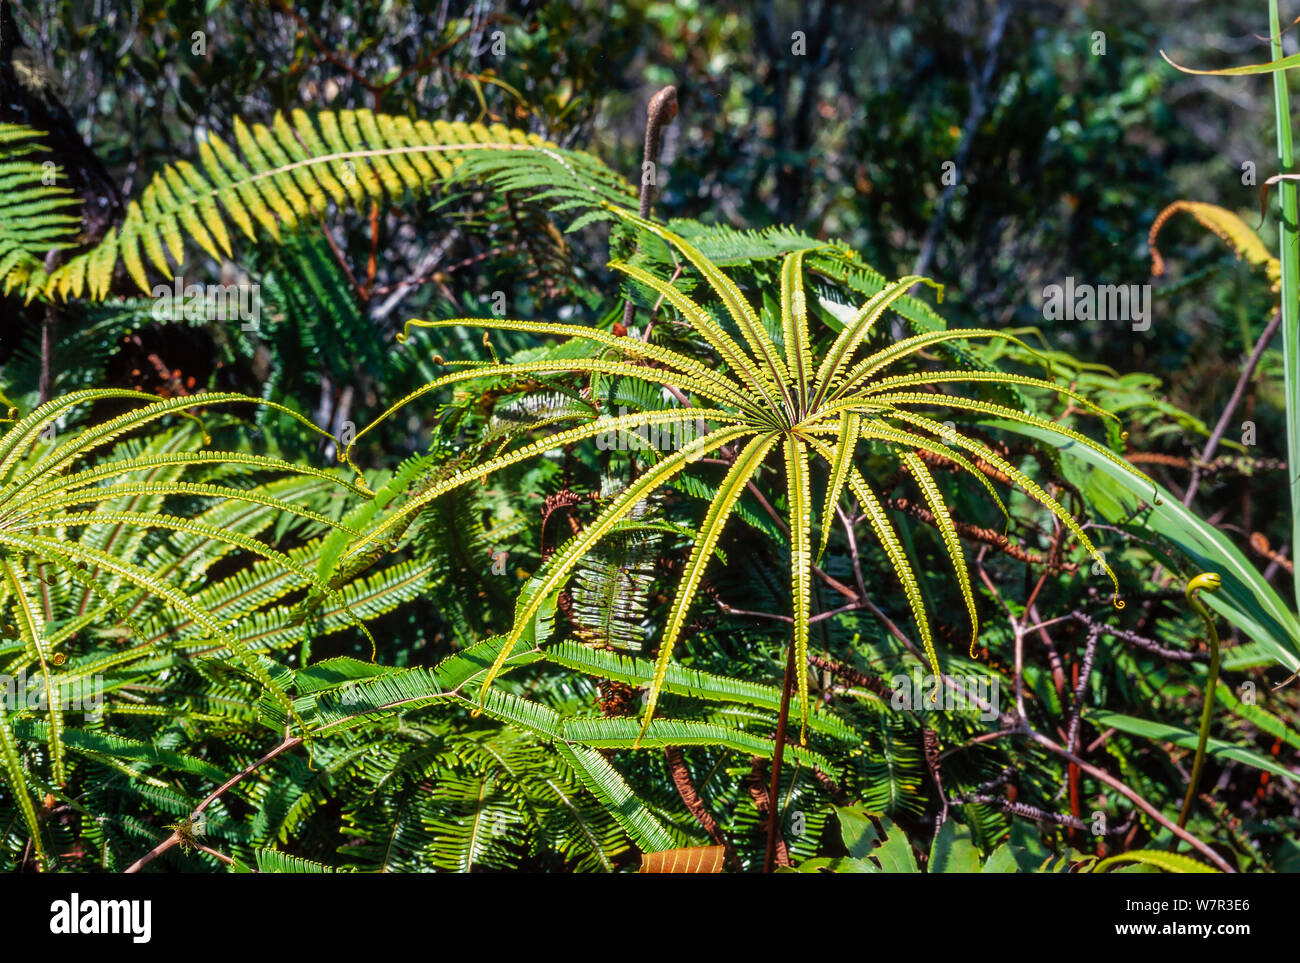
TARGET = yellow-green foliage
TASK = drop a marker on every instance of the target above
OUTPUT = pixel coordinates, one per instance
(54, 484)
(270, 180)
(1228, 226)
(759, 400)
(36, 215)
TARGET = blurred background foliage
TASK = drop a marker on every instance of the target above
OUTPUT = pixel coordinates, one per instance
(1064, 154)
(1067, 131)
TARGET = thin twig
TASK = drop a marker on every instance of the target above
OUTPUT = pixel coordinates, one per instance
(1246, 373)
(175, 837)
(1102, 776)
(1026, 811)
(1141, 641)
(1085, 672)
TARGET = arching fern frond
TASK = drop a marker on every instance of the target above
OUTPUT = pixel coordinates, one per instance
(275, 177)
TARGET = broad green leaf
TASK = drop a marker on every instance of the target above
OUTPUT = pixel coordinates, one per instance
(952, 851)
(1001, 860)
(1245, 600)
(1186, 739)
(857, 830)
(895, 853)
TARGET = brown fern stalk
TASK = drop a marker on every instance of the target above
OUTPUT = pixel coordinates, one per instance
(681, 776)
(773, 795)
(659, 114)
(985, 536)
(759, 795)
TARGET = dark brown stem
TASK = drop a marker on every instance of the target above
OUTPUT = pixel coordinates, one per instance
(1026, 811)
(773, 800)
(1142, 642)
(45, 386)
(872, 683)
(659, 114)
(47, 352)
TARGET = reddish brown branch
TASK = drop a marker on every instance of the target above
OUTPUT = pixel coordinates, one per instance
(872, 683)
(176, 837)
(695, 805)
(1259, 543)
(759, 793)
(985, 536)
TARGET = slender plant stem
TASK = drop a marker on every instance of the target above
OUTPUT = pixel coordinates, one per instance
(1246, 373)
(174, 838)
(1211, 682)
(773, 801)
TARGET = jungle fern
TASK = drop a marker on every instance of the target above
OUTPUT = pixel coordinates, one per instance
(275, 178)
(77, 511)
(759, 399)
(36, 215)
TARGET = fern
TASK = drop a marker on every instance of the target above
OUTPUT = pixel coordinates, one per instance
(1228, 226)
(760, 401)
(37, 215)
(612, 588)
(65, 571)
(279, 176)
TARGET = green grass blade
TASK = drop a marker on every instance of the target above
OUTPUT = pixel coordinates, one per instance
(1290, 258)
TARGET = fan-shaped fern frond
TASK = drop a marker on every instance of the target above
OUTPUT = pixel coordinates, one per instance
(784, 398)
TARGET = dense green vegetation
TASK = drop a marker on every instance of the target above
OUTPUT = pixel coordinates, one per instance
(414, 463)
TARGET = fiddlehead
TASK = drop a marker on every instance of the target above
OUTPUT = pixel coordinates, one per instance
(659, 114)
